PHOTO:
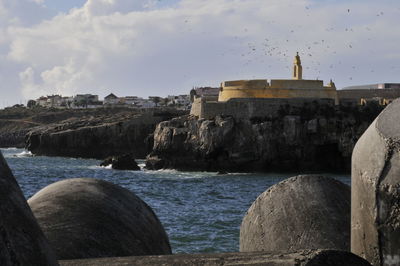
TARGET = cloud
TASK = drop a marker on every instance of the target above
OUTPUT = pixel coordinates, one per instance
(107, 7)
(142, 48)
(22, 12)
(39, 2)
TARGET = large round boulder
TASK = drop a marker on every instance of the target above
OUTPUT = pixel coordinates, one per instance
(89, 218)
(302, 212)
(375, 198)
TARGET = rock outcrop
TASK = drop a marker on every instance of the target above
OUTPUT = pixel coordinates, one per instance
(375, 206)
(21, 240)
(314, 137)
(90, 218)
(302, 212)
(121, 162)
(97, 136)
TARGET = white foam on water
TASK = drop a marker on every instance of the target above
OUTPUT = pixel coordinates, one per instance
(106, 167)
(24, 153)
(10, 149)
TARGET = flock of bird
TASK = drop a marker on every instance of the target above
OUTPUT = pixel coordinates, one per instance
(282, 47)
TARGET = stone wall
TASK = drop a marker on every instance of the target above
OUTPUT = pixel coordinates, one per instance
(249, 108)
(320, 93)
(276, 88)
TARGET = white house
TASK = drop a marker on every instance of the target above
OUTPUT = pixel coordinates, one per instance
(111, 99)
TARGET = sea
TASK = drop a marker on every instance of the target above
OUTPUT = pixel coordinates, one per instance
(200, 211)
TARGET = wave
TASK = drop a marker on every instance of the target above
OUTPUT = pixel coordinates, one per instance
(96, 167)
(10, 149)
(24, 153)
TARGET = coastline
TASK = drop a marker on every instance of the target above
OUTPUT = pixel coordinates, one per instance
(201, 211)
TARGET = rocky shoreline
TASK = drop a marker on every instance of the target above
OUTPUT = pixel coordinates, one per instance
(314, 137)
(98, 136)
(303, 220)
(311, 138)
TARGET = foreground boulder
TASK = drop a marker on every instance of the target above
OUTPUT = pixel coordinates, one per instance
(375, 221)
(302, 212)
(89, 218)
(122, 162)
(298, 258)
(21, 240)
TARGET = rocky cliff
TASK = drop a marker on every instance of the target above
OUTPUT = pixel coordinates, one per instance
(309, 138)
(97, 136)
(16, 122)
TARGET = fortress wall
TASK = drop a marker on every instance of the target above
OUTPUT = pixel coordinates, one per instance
(255, 83)
(248, 108)
(297, 83)
(228, 93)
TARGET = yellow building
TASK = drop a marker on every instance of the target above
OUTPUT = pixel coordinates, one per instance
(279, 88)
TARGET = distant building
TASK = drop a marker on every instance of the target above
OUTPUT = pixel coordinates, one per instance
(128, 100)
(49, 101)
(297, 87)
(145, 103)
(204, 92)
(382, 93)
(155, 99)
(182, 101)
(42, 101)
(85, 100)
(111, 99)
(250, 98)
(66, 102)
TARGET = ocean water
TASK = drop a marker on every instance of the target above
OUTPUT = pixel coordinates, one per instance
(201, 211)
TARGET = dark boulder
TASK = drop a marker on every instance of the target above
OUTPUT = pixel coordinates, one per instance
(122, 162)
(90, 218)
(302, 212)
(21, 240)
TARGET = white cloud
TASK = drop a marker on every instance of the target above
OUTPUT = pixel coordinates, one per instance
(39, 2)
(136, 48)
(107, 7)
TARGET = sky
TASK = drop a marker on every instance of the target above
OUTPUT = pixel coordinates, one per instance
(166, 47)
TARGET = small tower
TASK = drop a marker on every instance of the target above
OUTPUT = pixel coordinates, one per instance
(331, 84)
(297, 68)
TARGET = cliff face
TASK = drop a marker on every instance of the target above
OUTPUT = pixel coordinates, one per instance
(12, 134)
(96, 137)
(16, 122)
(311, 138)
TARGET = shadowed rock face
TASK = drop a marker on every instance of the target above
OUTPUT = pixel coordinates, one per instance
(375, 206)
(312, 138)
(98, 136)
(89, 218)
(302, 212)
(21, 240)
(93, 138)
